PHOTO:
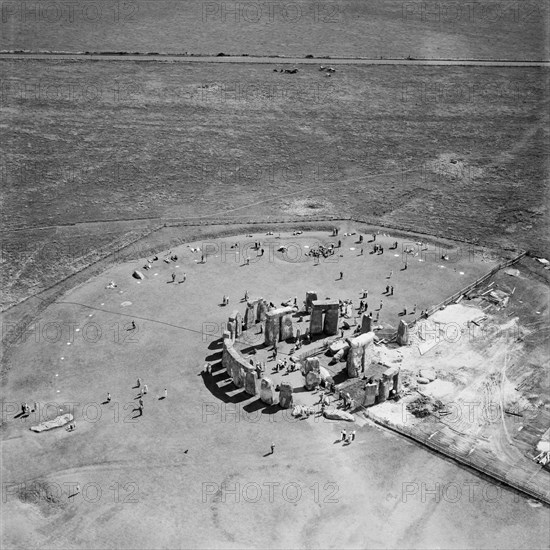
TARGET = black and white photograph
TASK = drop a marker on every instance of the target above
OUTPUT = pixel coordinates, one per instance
(275, 275)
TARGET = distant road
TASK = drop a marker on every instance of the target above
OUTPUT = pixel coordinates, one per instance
(269, 60)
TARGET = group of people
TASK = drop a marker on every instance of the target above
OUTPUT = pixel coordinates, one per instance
(345, 438)
(283, 364)
(321, 250)
(143, 390)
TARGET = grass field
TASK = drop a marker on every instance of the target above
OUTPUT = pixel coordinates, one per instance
(458, 152)
(374, 28)
(140, 489)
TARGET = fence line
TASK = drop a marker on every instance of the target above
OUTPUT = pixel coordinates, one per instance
(538, 491)
(468, 288)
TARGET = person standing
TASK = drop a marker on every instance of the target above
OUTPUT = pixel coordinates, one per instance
(272, 448)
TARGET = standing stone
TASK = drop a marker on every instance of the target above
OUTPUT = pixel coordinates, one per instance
(316, 323)
(298, 334)
(402, 333)
(383, 390)
(285, 396)
(354, 359)
(286, 329)
(371, 391)
(313, 379)
(366, 323)
(391, 377)
(249, 316)
(237, 374)
(232, 328)
(226, 356)
(271, 328)
(331, 321)
(238, 323)
(261, 311)
(250, 382)
(267, 391)
(310, 297)
(359, 353)
(368, 356)
(311, 364)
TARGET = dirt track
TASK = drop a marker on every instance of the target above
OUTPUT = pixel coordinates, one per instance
(271, 60)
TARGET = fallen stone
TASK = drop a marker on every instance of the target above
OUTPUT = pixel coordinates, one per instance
(337, 414)
(421, 380)
(138, 274)
(335, 347)
(429, 374)
(51, 424)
